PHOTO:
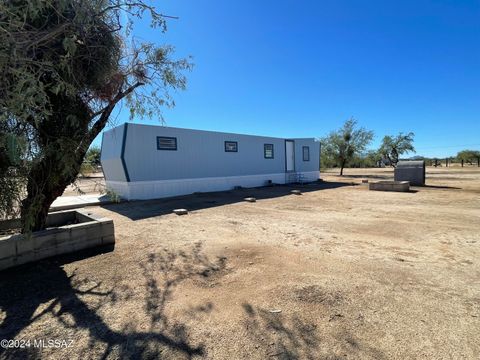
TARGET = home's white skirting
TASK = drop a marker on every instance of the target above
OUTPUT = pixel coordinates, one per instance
(142, 190)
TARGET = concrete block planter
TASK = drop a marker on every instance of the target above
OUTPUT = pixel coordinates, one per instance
(67, 232)
(402, 186)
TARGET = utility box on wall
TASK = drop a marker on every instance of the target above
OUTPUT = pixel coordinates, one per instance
(412, 171)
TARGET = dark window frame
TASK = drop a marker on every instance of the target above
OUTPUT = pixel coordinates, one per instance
(170, 138)
(231, 142)
(308, 153)
(265, 151)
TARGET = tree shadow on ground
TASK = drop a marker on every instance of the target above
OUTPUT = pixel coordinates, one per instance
(75, 304)
(439, 187)
(291, 337)
(143, 209)
(296, 340)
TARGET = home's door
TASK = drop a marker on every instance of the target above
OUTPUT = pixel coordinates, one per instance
(289, 155)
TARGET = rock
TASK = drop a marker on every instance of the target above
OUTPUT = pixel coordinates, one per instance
(181, 211)
(250, 199)
(275, 311)
(296, 192)
(335, 316)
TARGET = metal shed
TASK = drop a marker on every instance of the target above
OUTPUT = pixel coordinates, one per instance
(412, 171)
(147, 161)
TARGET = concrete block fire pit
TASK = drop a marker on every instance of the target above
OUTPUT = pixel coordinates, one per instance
(402, 186)
(67, 232)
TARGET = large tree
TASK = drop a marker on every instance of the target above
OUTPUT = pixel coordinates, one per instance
(64, 67)
(345, 143)
(393, 147)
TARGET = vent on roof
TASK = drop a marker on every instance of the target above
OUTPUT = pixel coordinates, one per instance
(166, 143)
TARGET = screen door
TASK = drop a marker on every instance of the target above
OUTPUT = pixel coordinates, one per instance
(289, 155)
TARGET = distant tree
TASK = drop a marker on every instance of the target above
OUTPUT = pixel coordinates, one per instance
(468, 156)
(326, 160)
(342, 145)
(393, 147)
(93, 156)
(371, 158)
(418, 158)
(65, 65)
(91, 161)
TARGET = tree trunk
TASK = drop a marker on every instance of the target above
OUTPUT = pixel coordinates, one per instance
(35, 211)
(47, 180)
(63, 143)
(341, 168)
(63, 138)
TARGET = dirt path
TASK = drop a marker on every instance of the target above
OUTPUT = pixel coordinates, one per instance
(338, 272)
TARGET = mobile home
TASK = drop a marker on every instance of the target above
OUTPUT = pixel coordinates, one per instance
(148, 162)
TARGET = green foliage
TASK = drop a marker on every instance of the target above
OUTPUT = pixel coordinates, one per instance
(93, 156)
(468, 156)
(12, 179)
(327, 161)
(64, 66)
(393, 147)
(366, 160)
(341, 146)
(52, 46)
(10, 195)
(91, 161)
(113, 195)
(86, 169)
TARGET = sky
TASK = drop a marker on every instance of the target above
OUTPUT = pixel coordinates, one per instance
(300, 68)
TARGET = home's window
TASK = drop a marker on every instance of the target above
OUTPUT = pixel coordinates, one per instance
(231, 146)
(306, 153)
(268, 151)
(166, 143)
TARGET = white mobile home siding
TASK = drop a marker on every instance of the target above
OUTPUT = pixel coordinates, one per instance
(200, 162)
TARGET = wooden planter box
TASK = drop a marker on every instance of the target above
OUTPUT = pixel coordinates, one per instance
(67, 232)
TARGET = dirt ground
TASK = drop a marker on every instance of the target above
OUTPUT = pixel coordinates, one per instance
(92, 184)
(337, 272)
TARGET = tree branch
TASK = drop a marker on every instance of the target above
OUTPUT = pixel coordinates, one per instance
(107, 110)
(141, 5)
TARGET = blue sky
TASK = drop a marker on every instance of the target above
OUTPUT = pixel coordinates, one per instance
(293, 68)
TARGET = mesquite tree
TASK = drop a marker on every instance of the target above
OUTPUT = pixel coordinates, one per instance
(394, 146)
(468, 156)
(345, 143)
(64, 67)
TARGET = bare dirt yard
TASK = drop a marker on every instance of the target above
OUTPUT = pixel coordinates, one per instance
(91, 184)
(337, 272)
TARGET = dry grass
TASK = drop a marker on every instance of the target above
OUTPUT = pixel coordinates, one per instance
(336, 272)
